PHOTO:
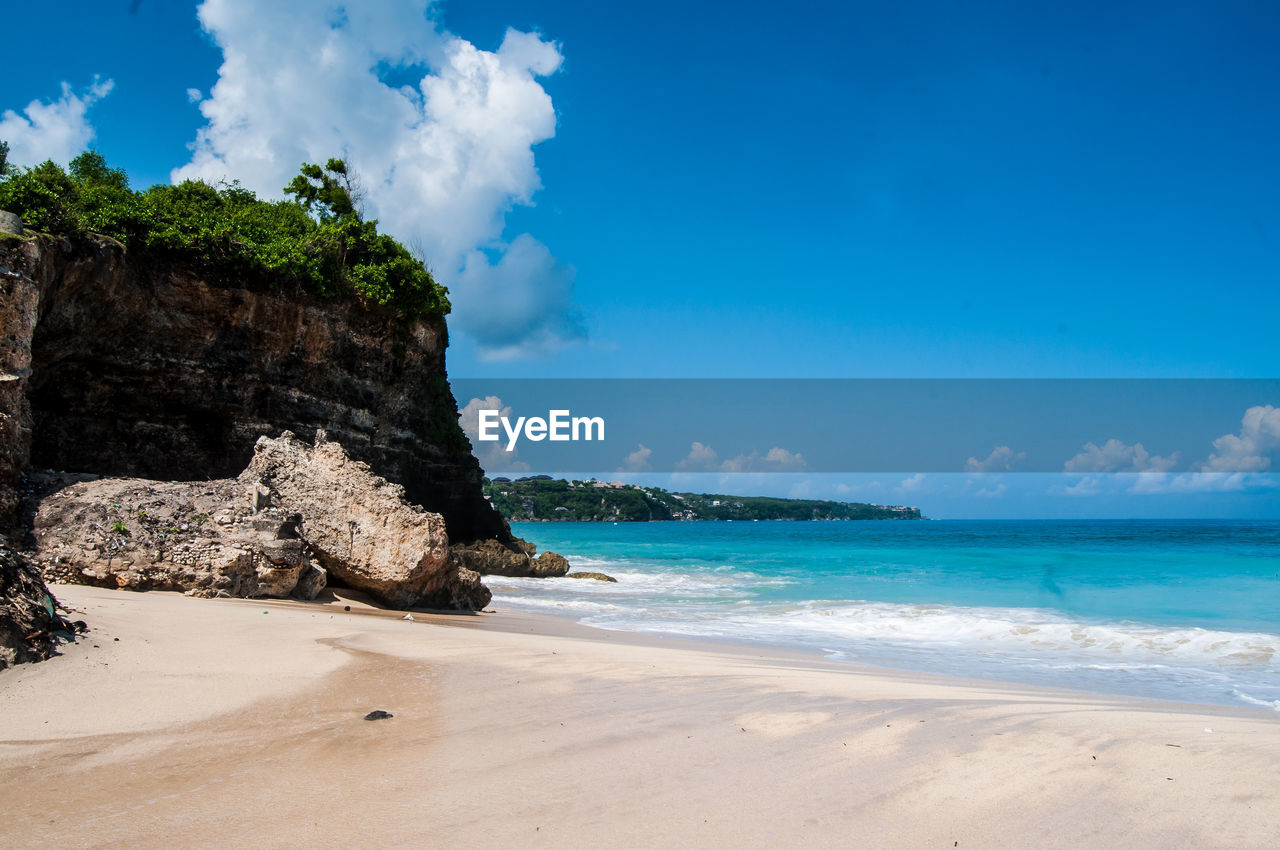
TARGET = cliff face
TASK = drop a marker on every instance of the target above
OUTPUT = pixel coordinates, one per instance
(122, 368)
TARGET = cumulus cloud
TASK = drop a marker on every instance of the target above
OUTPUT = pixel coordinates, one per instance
(637, 461)
(493, 455)
(1157, 483)
(57, 130)
(441, 161)
(523, 304)
(775, 460)
(1089, 485)
(1001, 459)
(703, 458)
(801, 490)
(1249, 450)
(1116, 456)
(912, 484)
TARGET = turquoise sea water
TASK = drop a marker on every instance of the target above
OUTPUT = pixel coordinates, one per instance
(1184, 610)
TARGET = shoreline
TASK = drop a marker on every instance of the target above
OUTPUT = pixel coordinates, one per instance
(210, 721)
(1168, 612)
(801, 654)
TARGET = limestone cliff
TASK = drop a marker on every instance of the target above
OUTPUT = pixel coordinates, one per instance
(122, 367)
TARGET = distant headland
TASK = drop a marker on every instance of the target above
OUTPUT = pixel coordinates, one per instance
(541, 498)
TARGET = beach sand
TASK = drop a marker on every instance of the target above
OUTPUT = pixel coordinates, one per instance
(216, 721)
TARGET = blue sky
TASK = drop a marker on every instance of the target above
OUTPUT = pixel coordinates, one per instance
(921, 189)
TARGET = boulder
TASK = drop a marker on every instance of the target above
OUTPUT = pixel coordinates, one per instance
(494, 558)
(203, 538)
(359, 526)
(550, 564)
(29, 621)
(591, 575)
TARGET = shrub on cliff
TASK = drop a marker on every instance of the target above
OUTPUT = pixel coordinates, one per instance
(317, 242)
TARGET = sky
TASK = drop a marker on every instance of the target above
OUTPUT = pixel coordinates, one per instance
(742, 190)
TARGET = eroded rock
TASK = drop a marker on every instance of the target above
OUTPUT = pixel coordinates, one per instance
(360, 528)
(29, 620)
(296, 516)
(494, 558)
(202, 538)
(591, 575)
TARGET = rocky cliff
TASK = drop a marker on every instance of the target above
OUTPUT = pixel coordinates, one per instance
(128, 368)
(124, 366)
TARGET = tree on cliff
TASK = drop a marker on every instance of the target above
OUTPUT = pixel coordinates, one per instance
(377, 266)
(4, 158)
(317, 242)
(328, 192)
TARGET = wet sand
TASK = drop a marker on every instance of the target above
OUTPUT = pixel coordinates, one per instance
(210, 722)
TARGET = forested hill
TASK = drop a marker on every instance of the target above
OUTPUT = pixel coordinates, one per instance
(544, 498)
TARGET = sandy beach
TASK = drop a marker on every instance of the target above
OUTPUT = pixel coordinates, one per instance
(180, 722)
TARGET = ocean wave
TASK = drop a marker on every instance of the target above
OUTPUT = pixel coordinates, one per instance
(1030, 631)
(633, 582)
(1273, 704)
(1040, 645)
(576, 606)
(1034, 629)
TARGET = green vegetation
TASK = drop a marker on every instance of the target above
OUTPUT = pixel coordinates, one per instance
(317, 242)
(545, 498)
(120, 528)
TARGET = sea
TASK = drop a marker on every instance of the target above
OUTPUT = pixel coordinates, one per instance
(1183, 610)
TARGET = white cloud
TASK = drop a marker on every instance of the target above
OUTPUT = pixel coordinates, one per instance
(493, 455)
(1153, 483)
(1116, 456)
(58, 130)
(194, 95)
(801, 490)
(441, 162)
(1001, 459)
(991, 492)
(703, 458)
(912, 484)
(1089, 485)
(1250, 449)
(637, 461)
(523, 304)
(775, 460)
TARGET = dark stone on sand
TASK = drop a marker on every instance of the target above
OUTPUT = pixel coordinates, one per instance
(379, 714)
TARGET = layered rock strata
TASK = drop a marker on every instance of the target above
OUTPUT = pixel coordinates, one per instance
(131, 368)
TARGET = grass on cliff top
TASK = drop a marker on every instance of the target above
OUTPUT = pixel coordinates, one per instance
(316, 241)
